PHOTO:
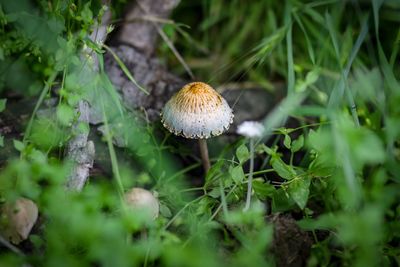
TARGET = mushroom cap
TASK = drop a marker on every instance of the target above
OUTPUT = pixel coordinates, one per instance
(142, 199)
(21, 216)
(197, 111)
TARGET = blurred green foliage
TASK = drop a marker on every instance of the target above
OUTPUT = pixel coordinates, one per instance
(337, 173)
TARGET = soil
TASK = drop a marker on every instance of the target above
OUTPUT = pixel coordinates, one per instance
(291, 245)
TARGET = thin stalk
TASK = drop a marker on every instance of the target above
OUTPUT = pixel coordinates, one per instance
(204, 155)
(183, 171)
(250, 180)
(44, 92)
(10, 246)
(113, 156)
(181, 210)
(220, 205)
(223, 200)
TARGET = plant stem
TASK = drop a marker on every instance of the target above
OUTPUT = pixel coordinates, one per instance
(250, 181)
(43, 94)
(204, 154)
(223, 200)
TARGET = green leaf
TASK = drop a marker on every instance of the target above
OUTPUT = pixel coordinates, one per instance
(65, 114)
(242, 153)
(165, 211)
(318, 169)
(237, 174)
(83, 128)
(297, 144)
(287, 141)
(263, 190)
(94, 46)
(281, 201)
(299, 189)
(86, 13)
(3, 104)
(18, 145)
(263, 148)
(47, 133)
(1, 141)
(312, 76)
(214, 193)
(285, 171)
(214, 170)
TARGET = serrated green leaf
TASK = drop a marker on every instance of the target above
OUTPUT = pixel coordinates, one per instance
(299, 189)
(242, 153)
(1, 141)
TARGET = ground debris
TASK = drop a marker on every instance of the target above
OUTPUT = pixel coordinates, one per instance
(291, 246)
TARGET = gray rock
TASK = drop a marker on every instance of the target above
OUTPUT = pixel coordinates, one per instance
(249, 104)
(139, 30)
(148, 73)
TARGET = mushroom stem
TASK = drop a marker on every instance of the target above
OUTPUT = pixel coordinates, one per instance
(250, 179)
(204, 154)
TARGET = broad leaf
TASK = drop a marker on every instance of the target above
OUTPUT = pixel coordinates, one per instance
(237, 174)
(299, 190)
(287, 141)
(285, 171)
(297, 144)
(263, 190)
(242, 153)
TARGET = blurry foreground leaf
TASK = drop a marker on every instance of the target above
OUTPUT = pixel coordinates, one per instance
(18, 145)
(3, 104)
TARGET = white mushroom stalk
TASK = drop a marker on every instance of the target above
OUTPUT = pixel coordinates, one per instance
(252, 130)
(197, 111)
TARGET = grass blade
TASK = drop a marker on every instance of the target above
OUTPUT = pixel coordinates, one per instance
(289, 47)
(337, 93)
(125, 69)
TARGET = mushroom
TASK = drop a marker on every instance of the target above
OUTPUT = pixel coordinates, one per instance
(142, 199)
(197, 111)
(20, 216)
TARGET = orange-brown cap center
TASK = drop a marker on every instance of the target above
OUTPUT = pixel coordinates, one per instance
(197, 97)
